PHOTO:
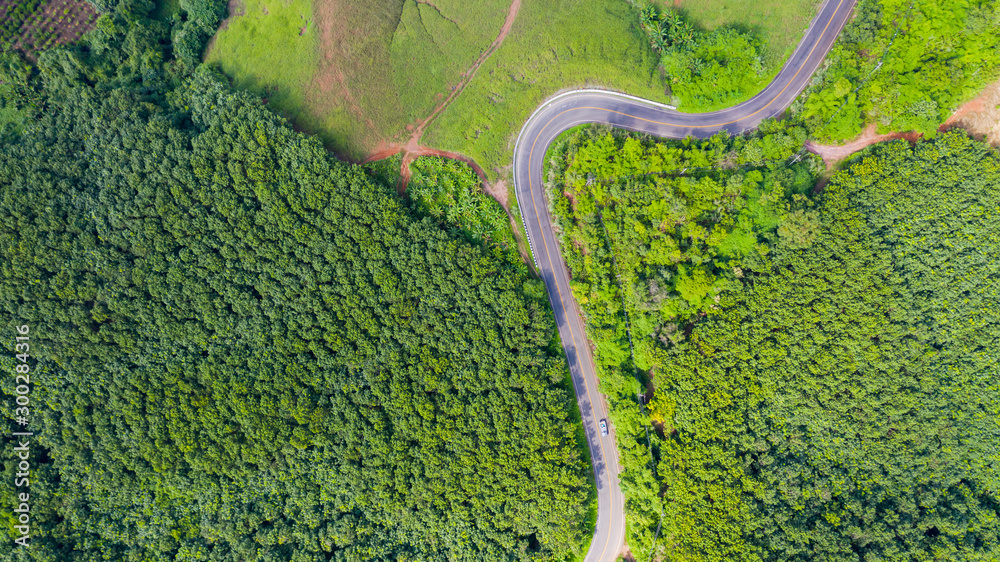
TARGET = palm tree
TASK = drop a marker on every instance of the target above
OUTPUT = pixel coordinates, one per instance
(647, 18)
(685, 34)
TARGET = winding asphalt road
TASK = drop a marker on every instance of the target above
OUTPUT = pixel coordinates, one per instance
(596, 106)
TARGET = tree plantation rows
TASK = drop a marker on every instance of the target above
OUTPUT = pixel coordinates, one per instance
(244, 349)
(826, 378)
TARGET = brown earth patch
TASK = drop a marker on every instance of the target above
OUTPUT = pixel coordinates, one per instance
(333, 34)
(413, 149)
(235, 9)
(499, 192)
(980, 117)
(56, 22)
(832, 154)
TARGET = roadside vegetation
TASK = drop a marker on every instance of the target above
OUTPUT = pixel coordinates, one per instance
(377, 71)
(705, 71)
(249, 350)
(610, 44)
(779, 26)
(818, 367)
(450, 192)
(655, 233)
(905, 66)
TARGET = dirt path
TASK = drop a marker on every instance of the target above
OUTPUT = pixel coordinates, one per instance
(515, 5)
(832, 153)
(980, 117)
(413, 149)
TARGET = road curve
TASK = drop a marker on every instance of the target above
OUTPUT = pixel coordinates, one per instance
(596, 106)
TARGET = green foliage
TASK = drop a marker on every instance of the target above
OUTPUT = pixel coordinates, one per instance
(845, 402)
(905, 66)
(840, 399)
(451, 192)
(386, 64)
(716, 70)
(705, 71)
(655, 234)
(247, 350)
(13, 16)
(780, 24)
(270, 49)
(553, 45)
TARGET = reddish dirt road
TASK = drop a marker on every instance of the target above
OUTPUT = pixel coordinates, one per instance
(832, 153)
(980, 117)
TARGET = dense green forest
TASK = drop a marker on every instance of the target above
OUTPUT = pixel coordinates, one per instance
(244, 349)
(905, 65)
(825, 368)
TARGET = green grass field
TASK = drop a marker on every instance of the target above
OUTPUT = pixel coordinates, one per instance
(270, 49)
(363, 70)
(565, 44)
(363, 73)
(554, 45)
(779, 23)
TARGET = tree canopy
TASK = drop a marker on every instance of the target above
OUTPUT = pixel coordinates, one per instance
(836, 395)
(244, 349)
(904, 65)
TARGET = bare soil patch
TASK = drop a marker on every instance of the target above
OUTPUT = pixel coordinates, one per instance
(235, 9)
(980, 117)
(499, 192)
(56, 22)
(832, 153)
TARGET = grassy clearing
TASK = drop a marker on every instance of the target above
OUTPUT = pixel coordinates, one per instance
(269, 47)
(554, 45)
(364, 70)
(779, 23)
(557, 45)
(434, 45)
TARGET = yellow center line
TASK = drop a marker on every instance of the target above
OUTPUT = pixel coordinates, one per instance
(548, 254)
